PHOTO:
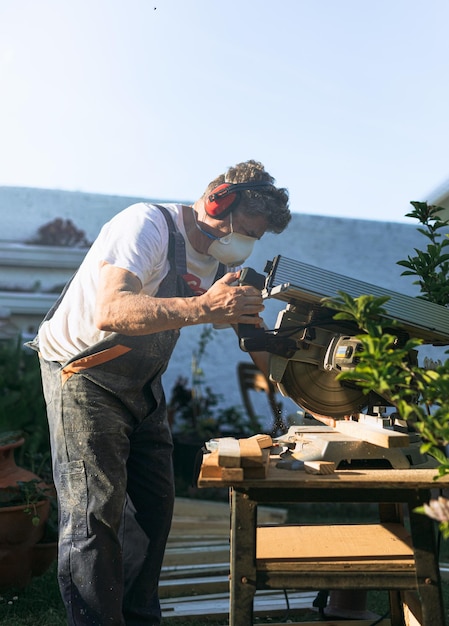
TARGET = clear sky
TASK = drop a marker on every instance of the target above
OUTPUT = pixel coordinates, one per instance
(346, 102)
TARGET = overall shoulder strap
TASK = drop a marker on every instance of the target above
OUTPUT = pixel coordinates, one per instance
(176, 255)
(221, 271)
(177, 247)
(176, 243)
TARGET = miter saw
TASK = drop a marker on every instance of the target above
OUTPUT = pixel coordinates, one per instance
(309, 348)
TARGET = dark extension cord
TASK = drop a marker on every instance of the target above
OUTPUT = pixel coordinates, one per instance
(381, 618)
(287, 602)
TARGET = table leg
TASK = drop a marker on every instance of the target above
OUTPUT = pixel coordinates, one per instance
(393, 512)
(427, 567)
(243, 558)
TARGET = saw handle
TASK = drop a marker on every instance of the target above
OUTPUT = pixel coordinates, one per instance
(255, 339)
(248, 276)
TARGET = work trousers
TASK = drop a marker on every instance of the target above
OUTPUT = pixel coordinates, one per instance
(103, 453)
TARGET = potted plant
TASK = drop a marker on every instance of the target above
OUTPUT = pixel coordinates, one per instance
(25, 504)
(27, 500)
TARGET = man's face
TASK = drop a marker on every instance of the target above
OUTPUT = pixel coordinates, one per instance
(249, 225)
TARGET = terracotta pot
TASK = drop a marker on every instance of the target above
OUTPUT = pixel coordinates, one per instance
(21, 526)
(16, 523)
(42, 556)
(10, 473)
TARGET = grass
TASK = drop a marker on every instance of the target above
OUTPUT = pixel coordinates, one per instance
(39, 604)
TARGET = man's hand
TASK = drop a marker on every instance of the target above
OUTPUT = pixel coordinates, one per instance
(122, 307)
(226, 302)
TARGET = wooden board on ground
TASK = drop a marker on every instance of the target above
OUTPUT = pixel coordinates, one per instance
(217, 605)
(201, 523)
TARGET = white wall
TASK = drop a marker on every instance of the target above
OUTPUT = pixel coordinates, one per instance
(25, 209)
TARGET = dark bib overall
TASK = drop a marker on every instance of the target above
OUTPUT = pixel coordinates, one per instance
(110, 437)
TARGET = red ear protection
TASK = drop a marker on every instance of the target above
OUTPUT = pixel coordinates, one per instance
(224, 198)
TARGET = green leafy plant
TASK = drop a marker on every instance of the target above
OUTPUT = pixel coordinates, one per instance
(431, 265)
(22, 404)
(385, 361)
(27, 493)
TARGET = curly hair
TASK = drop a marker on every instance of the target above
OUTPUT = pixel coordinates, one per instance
(271, 202)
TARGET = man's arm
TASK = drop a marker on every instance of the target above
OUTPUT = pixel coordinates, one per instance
(122, 307)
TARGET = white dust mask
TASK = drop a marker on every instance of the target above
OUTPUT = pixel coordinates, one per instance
(232, 249)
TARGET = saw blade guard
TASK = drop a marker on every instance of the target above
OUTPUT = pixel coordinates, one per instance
(323, 350)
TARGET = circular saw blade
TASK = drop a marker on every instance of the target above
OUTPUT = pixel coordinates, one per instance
(320, 392)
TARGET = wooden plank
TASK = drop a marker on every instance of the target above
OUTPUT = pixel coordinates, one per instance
(250, 453)
(264, 441)
(380, 542)
(191, 570)
(204, 554)
(202, 512)
(187, 530)
(210, 467)
(319, 467)
(193, 586)
(229, 452)
(232, 474)
(373, 565)
(201, 522)
(373, 434)
(215, 606)
(210, 470)
(258, 470)
(193, 542)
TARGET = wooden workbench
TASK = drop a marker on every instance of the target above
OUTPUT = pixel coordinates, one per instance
(382, 555)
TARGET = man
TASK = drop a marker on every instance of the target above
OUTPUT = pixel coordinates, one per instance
(103, 349)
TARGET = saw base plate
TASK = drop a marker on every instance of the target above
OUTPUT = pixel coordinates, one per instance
(323, 443)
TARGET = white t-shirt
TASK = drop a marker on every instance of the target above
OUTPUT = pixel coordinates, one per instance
(136, 239)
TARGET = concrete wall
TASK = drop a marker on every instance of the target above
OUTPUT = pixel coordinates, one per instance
(25, 209)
